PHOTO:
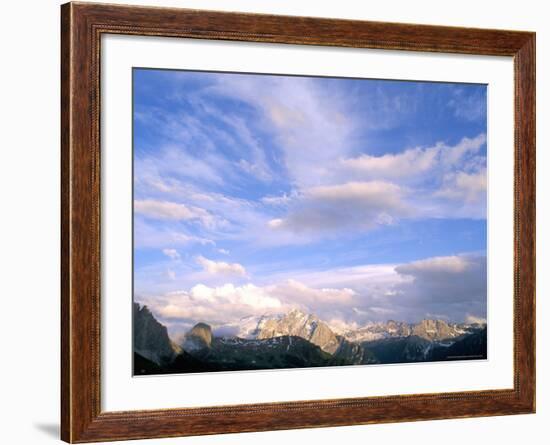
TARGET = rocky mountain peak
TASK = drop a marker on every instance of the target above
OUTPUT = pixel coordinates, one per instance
(199, 337)
(299, 324)
(435, 330)
(428, 329)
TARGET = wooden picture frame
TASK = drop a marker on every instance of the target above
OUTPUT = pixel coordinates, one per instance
(82, 25)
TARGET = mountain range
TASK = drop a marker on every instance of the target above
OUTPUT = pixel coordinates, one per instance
(295, 340)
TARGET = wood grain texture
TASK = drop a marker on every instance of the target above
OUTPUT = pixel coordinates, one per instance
(81, 28)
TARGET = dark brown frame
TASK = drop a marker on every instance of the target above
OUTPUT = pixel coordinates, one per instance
(82, 25)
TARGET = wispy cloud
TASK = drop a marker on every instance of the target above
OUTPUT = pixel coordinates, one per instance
(469, 105)
(473, 319)
(415, 161)
(171, 253)
(465, 187)
(171, 211)
(411, 162)
(150, 235)
(311, 129)
(310, 124)
(171, 274)
(221, 267)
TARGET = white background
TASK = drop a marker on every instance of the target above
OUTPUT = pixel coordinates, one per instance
(29, 239)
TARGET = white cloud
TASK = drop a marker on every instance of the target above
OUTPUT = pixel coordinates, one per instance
(277, 200)
(357, 191)
(340, 327)
(461, 195)
(442, 181)
(465, 187)
(248, 294)
(472, 319)
(171, 253)
(293, 291)
(221, 267)
(415, 161)
(222, 304)
(228, 303)
(189, 130)
(469, 107)
(408, 163)
(166, 210)
(365, 279)
(448, 264)
(452, 288)
(276, 223)
(183, 238)
(257, 164)
(452, 155)
(360, 205)
(165, 236)
(235, 218)
(173, 160)
(223, 251)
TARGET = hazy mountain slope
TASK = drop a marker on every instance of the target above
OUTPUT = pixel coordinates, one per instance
(151, 339)
(473, 345)
(349, 353)
(225, 354)
(143, 366)
(399, 349)
(418, 349)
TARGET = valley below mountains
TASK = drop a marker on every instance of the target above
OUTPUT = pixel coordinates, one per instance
(298, 340)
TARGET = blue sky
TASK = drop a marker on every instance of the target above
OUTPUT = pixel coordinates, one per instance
(357, 200)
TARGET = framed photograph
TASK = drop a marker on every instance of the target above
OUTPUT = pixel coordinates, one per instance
(274, 222)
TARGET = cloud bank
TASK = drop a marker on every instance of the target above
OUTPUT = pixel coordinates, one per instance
(452, 287)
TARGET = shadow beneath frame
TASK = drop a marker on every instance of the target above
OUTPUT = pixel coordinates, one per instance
(49, 429)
